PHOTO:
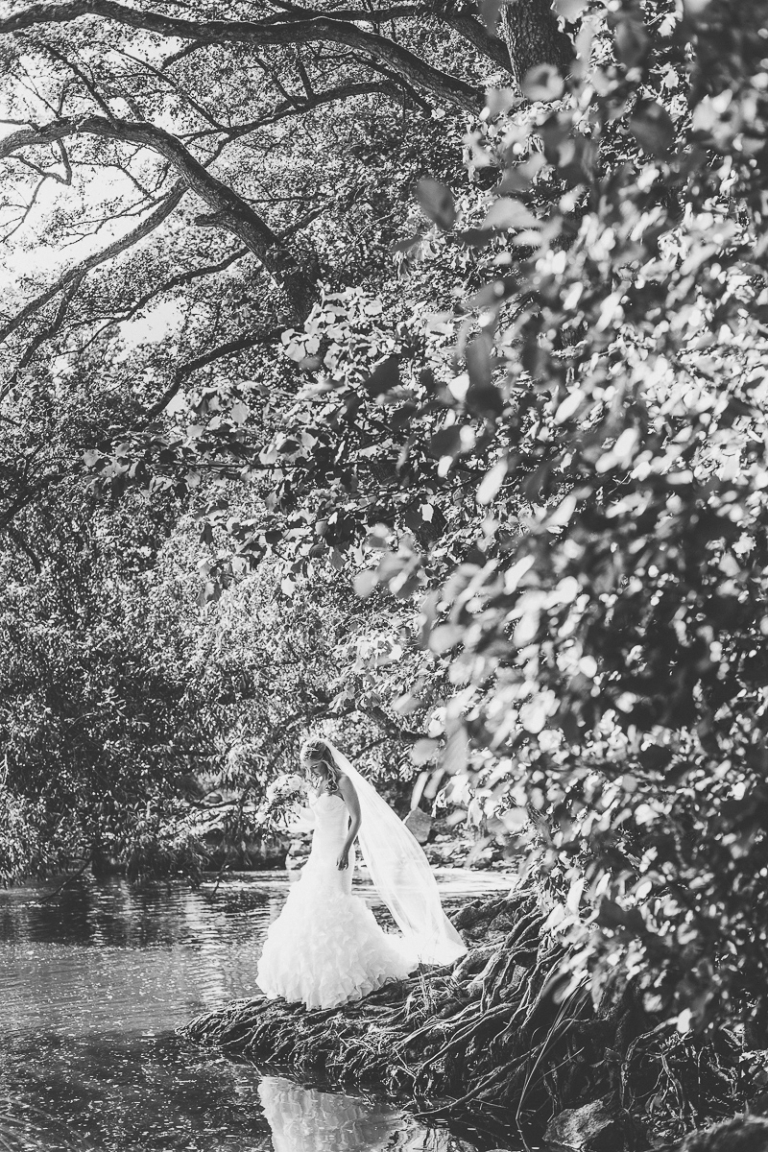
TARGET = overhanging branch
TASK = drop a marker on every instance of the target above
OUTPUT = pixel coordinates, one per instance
(296, 277)
(259, 35)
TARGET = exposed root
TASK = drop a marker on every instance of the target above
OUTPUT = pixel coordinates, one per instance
(495, 1035)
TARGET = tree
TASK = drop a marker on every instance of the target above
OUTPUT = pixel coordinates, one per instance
(607, 642)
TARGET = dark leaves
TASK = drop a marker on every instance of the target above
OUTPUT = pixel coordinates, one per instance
(631, 38)
(384, 378)
(652, 127)
(483, 397)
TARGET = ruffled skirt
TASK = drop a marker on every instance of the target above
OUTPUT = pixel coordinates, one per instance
(325, 948)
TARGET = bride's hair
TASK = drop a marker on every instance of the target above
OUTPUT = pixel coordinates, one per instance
(314, 752)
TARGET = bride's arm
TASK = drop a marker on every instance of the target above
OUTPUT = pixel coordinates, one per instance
(349, 796)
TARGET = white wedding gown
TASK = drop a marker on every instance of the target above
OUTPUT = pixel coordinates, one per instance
(325, 948)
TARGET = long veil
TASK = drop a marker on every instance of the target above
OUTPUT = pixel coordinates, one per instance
(401, 873)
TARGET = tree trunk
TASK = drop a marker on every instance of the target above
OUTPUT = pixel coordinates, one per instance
(531, 33)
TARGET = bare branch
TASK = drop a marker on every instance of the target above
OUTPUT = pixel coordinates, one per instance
(47, 173)
(393, 88)
(22, 544)
(75, 69)
(25, 208)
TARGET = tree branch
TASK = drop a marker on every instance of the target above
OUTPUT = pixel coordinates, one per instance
(177, 281)
(21, 543)
(251, 340)
(45, 333)
(148, 225)
(259, 35)
(229, 210)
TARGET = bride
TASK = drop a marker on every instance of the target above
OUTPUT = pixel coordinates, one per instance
(325, 948)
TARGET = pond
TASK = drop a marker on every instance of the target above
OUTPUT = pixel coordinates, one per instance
(95, 980)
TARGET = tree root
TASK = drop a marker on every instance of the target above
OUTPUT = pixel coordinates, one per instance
(494, 1034)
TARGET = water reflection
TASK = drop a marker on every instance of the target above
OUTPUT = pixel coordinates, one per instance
(308, 1120)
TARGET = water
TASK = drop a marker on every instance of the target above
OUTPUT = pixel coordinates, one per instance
(95, 979)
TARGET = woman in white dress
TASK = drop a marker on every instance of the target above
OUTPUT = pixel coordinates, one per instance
(325, 948)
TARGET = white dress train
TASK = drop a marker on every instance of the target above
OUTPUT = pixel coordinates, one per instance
(325, 948)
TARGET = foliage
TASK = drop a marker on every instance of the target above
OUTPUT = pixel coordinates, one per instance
(607, 649)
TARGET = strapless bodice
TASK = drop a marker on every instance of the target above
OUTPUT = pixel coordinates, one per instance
(331, 826)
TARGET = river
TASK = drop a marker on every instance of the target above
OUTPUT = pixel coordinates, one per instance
(95, 981)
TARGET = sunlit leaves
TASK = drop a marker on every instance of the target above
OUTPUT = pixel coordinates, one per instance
(506, 213)
(606, 631)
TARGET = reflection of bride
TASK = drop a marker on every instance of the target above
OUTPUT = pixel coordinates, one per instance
(305, 1120)
(326, 948)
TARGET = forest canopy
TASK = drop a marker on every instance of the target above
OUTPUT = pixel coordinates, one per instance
(401, 367)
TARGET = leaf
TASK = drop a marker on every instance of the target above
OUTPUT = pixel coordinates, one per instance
(424, 750)
(456, 752)
(436, 202)
(445, 636)
(655, 758)
(543, 82)
(652, 127)
(695, 9)
(365, 582)
(446, 442)
(482, 398)
(384, 378)
(410, 244)
(611, 914)
(683, 1022)
(475, 237)
(485, 400)
(507, 213)
(631, 39)
(451, 441)
(492, 482)
(500, 100)
(570, 406)
(563, 512)
(478, 356)
(239, 412)
(211, 591)
(519, 177)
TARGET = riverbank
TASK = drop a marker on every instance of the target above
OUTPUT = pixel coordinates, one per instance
(496, 1038)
